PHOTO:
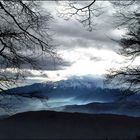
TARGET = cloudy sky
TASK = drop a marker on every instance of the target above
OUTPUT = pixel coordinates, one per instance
(82, 52)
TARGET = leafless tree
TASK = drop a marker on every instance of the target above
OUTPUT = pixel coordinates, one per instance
(84, 13)
(130, 48)
(24, 36)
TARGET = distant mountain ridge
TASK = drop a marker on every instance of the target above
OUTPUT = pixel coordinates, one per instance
(80, 94)
(86, 89)
(73, 82)
(122, 108)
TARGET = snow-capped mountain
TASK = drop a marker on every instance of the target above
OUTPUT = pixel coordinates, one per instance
(72, 82)
(80, 89)
(78, 82)
(72, 91)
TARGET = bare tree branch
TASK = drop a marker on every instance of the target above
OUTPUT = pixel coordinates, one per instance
(24, 37)
(130, 48)
(84, 14)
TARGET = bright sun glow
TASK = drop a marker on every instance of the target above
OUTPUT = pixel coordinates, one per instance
(91, 61)
(84, 61)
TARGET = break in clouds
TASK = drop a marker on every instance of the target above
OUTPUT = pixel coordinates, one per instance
(78, 47)
(80, 51)
(71, 36)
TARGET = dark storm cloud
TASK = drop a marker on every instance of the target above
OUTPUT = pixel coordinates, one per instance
(45, 63)
(71, 34)
(71, 43)
(49, 63)
(77, 32)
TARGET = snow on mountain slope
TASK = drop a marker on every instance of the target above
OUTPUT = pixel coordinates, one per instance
(57, 95)
(72, 82)
(74, 87)
(75, 90)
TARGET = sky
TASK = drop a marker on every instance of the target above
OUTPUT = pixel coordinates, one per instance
(82, 52)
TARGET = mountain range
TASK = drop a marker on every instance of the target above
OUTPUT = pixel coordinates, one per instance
(76, 94)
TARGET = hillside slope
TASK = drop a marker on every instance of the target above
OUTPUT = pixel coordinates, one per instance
(54, 125)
